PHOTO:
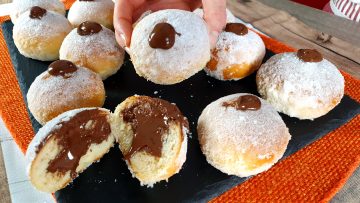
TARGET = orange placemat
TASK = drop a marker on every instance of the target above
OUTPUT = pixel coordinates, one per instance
(313, 174)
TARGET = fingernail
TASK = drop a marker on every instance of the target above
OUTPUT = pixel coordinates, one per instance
(121, 39)
(122, 36)
(127, 49)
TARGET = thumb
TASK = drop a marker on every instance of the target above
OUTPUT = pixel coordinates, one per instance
(215, 18)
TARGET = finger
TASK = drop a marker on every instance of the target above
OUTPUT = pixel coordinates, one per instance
(161, 5)
(215, 17)
(123, 19)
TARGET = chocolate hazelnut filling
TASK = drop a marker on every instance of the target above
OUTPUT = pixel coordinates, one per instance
(245, 102)
(74, 138)
(150, 119)
(61, 68)
(309, 55)
(236, 28)
(37, 12)
(88, 28)
(162, 36)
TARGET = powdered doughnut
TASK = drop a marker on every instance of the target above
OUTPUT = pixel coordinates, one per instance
(21, 6)
(238, 53)
(152, 137)
(38, 33)
(169, 46)
(93, 46)
(67, 145)
(100, 11)
(242, 135)
(302, 84)
(64, 87)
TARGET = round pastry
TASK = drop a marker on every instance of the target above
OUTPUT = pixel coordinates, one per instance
(242, 135)
(238, 53)
(230, 18)
(67, 145)
(100, 11)
(64, 87)
(301, 84)
(38, 33)
(21, 6)
(169, 46)
(93, 46)
(152, 138)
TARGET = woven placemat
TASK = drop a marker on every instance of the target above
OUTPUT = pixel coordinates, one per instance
(313, 174)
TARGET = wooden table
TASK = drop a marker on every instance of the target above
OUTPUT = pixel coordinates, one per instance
(301, 27)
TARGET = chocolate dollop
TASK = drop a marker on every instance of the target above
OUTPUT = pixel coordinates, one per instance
(61, 68)
(245, 102)
(74, 138)
(88, 28)
(37, 12)
(162, 36)
(236, 28)
(150, 119)
(309, 55)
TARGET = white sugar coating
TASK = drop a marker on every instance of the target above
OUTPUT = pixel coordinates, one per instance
(300, 89)
(234, 49)
(44, 132)
(230, 18)
(21, 6)
(50, 25)
(48, 94)
(100, 11)
(99, 52)
(228, 137)
(40, 38)
(190, 53)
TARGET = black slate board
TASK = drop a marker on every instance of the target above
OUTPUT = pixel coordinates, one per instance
(110, 181)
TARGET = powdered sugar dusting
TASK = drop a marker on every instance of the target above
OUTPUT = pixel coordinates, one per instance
(21, 6)
(189, 54)
(82, 50)
(50, 93)
(235, 49)
(100, 11)
(263, 129)
(291, 84)
(50, 25)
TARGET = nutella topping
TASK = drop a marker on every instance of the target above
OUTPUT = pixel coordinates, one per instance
(75, 137)
(309, 55)
(162, 36)
(37, 12)
(150, 119)
(236, 28)
(88, 28)
(245, 102)
(61, 68)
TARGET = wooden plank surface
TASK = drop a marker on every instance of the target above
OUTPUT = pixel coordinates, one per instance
(322, 21)
(282, 26)
(4, 189)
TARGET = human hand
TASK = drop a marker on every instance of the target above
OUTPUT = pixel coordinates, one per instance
(128, 11)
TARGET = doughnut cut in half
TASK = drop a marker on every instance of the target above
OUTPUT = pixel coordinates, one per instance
(67, 145)
(152, 138)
